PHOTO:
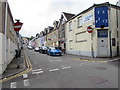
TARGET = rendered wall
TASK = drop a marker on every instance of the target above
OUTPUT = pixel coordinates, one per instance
(82, 42)
(113, 28)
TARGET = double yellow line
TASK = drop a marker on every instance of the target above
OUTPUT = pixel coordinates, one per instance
(91, 60)
(28, 69)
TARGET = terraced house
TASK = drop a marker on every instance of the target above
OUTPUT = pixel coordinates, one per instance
(52, 36)
(8, 37)
(94, 32)
(62, 30)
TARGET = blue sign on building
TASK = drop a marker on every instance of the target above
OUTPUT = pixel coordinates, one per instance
(101, 16)
(103, 33)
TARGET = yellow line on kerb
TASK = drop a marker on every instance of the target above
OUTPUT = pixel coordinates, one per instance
(91, 60)
(21, 73)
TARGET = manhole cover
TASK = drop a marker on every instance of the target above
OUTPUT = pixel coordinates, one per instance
(101, 68)
(97, 79)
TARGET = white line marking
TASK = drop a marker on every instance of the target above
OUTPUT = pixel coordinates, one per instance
(53, 69)
(26, 82)
(37, 72)
(80, 65)
(59, 60)
(13, 85)
(66, 67)
(25, 75)
(115, 59)
(50, 60)
(54, 60)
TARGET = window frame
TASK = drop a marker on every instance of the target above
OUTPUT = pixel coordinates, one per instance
(70, 26)
(79, 22)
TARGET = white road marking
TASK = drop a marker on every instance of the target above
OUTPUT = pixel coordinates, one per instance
(54, 60)
(80, 65)
(37, 72)
(66, 67)
(50, 60)
(115, 59)
(25, 75)
(13, 85)
(59, 60)
(53, 69)
(26, 82)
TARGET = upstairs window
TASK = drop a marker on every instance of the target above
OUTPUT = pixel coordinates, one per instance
(80, 22)
(11, 27)
(70, 26)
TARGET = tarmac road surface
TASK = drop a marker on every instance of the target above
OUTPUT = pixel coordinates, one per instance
(65, 72)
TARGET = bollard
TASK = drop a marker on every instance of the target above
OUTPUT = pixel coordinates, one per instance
(16, 53)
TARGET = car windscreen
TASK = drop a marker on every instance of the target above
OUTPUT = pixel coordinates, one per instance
(44, 47)
(52, 48)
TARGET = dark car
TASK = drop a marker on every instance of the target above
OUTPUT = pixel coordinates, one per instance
(54, 51)
(43, 49)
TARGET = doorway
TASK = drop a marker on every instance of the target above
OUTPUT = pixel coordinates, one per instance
(103, 50)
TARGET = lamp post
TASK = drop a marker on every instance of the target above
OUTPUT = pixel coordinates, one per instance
(17, 27)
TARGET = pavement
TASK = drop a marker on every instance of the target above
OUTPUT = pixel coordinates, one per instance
(86, 58)
(16, 68)
(22, 65)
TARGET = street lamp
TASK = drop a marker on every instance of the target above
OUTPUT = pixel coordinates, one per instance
(17, 27)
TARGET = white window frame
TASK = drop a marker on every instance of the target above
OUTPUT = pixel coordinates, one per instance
(70, 26)
(80, 21)
(11, 26)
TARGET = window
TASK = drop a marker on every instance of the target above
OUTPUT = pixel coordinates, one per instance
(79, 21)
(71, 44)
(11, 26)
(70, 26)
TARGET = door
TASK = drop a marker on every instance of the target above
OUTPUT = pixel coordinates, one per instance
(103, 43)
(103, 47)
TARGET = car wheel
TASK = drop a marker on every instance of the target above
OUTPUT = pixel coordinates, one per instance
(50, 54)
(60, 54)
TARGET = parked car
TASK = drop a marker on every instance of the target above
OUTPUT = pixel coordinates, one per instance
(54, 51)
(36, 49)
(43, 49)
(29, 47)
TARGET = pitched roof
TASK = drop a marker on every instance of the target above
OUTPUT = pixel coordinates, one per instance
(96, 5)
(68, 15)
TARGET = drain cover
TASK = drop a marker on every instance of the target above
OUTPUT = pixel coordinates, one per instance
(97, 79)
(101, 68)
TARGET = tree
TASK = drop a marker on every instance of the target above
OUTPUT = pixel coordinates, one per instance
(31, 38)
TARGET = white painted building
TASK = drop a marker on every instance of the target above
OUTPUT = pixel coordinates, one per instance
(103, 41)
(8, 37)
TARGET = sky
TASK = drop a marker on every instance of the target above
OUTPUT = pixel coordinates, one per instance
(39, 14)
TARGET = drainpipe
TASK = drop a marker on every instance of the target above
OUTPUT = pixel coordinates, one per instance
(117, 32)
(109, 18)
(92, 45)
(5, 39)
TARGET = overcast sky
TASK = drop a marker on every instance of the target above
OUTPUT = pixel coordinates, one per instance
(38, 14)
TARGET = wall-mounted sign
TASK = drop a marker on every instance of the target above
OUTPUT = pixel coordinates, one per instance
(17, 26)
(101, 17)
(89, 29)
(87, 18)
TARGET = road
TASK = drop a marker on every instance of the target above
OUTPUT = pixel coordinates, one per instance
(65, 72)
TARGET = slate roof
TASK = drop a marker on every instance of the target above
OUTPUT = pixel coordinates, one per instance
(68, 15)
